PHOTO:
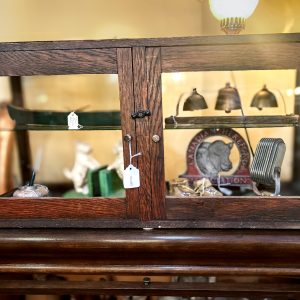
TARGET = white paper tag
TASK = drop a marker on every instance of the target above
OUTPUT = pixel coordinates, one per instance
(131, 177)
(73, 121)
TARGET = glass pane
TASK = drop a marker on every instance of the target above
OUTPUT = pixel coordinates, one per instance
(213, 145)
(71, 160)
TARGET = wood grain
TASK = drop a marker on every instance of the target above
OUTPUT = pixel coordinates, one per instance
(228, 57)
(127, 105)
(152, 42)
(142, 132)
(11, 208)
(126, 223)
(58, 62)
(235, 209)
(156, 128)
(168, 252)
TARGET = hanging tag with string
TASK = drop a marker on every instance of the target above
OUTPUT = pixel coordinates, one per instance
(131, 175)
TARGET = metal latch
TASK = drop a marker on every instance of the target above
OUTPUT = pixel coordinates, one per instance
(141, 114)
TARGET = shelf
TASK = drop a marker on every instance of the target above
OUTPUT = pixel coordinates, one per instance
(37, 127)
(231, 122)
(26, 119)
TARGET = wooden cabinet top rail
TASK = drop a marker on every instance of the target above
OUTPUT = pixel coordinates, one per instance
(151, 42)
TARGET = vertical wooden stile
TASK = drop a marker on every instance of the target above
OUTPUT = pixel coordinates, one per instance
(296, 170)
(22, 136)
(142, 131)
(127, 105)
(153, 60)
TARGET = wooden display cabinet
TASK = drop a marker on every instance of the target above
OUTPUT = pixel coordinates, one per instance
(233, 247)
(139, 65)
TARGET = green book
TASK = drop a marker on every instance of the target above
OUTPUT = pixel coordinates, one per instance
(94, 183)
(110, 183)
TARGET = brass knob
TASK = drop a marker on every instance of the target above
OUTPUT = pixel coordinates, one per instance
(155, 138)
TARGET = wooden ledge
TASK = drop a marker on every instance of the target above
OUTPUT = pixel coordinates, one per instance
(164, 252)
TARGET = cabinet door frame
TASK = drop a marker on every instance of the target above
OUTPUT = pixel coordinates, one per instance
(233, 212)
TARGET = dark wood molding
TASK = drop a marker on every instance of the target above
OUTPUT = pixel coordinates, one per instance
(160, 252)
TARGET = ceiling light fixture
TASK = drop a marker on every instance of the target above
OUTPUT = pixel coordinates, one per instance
(232, 13)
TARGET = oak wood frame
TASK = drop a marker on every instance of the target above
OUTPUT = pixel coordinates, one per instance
(139, 64)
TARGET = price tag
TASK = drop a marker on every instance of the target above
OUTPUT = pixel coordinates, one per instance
(73, 121)
(131, 177)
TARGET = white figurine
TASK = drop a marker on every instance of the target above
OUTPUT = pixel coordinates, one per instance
(83, 163)
(118, 163)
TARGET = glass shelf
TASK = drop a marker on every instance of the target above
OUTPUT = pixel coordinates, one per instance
(35, 127)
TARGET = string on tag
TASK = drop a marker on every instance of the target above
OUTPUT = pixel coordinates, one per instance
(130, 153)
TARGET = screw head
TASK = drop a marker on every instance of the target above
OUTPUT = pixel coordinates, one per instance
(127, 138)
(155, 138)
(147, 281)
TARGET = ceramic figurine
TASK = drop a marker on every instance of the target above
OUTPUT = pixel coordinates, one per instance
(83, 163)
(118, 163)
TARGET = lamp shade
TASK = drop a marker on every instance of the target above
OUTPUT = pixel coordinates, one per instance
(264, 98)
(194, 102)
(232, 13)
(228, 99)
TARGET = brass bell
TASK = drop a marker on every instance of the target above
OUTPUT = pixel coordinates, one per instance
(228, 99)
(194, 102)
(264, 98)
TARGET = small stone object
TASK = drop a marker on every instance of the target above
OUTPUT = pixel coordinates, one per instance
(203, 187)
(180, 187)
(31, 191)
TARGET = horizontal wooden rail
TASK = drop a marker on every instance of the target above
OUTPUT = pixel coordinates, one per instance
(58, 62)
(158, 251)
(151, 42)
(55, 207)
(227, 58)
